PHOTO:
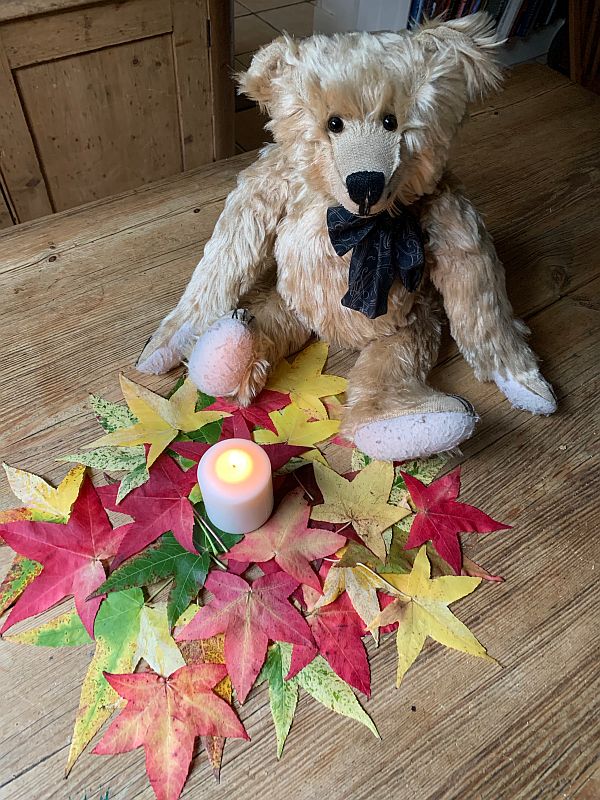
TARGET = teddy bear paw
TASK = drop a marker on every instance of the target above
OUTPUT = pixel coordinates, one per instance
(419, 433)
(165, 349)
(528, 392)
(222, 360)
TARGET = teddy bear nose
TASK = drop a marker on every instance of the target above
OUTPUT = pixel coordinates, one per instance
(365, 188)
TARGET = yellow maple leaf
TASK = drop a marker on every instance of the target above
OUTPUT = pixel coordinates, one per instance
(360, 584)
(159, 418)
(303, 380)
(421, 610)
(293, 427)
(43, 501)
(362, 502)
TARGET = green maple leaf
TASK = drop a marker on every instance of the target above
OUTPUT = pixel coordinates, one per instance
(164, 559)
(317, 679)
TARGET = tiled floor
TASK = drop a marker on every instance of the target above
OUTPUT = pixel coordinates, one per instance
(256, 23)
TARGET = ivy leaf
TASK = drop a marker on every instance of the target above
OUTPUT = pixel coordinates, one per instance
(303, 380)
(159, 418)
(165, 559)
(109, 459)
(362, 502)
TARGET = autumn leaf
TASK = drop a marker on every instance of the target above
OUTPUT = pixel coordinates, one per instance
(337, 630)
(211, 651)
(71, 555)
(164, 715)
(65, 630)
(249, 615)
(43, 500)
(440, 517)
(164, 559)
(362, 502)
(159, 418)
(131, 460)
(421, 610)
(111, 416)
(303, 380)
(294, 428)
(283, 694)
(160, 505)
(20, 574)
(126, 631)
(257, 413)
(359, 584)
(287, 538)
(317, 679)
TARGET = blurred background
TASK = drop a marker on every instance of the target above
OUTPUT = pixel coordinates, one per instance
(98, 97)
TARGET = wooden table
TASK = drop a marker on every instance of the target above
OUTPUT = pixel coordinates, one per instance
(83, 290)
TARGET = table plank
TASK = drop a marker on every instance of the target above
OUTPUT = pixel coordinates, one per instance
(526, 730)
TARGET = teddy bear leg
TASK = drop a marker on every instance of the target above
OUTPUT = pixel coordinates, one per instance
(469, 275)
(234, 356)
(392, 412)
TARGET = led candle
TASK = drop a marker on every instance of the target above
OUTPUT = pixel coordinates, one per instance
(235, 480)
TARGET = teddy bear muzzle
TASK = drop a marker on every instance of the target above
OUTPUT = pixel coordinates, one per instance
(365, 189)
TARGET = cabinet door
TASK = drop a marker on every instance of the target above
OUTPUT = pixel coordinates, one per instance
(110, 96)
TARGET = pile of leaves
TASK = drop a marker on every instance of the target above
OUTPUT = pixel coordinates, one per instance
(343, 557)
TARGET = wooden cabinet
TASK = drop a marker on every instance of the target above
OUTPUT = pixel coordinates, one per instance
(100, 97)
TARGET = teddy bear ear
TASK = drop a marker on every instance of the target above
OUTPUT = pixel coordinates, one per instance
(266, 66)
(471, 44)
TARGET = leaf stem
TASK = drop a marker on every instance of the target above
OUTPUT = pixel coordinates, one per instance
(303, 487)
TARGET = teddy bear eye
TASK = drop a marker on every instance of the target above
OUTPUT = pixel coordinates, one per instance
(390, 123)
(335, 124)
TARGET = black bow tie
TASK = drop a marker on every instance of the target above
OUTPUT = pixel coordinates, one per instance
(384, 248)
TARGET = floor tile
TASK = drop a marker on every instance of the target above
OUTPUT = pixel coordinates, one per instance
(265, 5)
(251, 32)
(239, 10)
(296, 19)
(249, 129)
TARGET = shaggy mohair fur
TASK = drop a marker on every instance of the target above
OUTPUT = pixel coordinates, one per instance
(271, 253)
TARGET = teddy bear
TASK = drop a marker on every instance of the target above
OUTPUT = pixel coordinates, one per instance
(350, 227)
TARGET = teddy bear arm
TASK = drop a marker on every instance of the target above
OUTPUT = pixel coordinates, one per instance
(234, 259)
(470, 277)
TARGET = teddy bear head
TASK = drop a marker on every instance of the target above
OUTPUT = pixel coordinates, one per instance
(369, 118)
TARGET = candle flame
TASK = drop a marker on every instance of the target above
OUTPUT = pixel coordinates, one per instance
(233, 466)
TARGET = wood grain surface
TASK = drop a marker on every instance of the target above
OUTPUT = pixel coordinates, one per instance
(83, 290)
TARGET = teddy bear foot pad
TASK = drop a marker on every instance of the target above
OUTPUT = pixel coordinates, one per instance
(415, 435)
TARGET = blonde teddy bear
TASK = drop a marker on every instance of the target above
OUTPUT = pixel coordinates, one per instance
(350, 227)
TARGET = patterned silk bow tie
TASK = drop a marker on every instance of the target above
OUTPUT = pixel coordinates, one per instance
(383, 248)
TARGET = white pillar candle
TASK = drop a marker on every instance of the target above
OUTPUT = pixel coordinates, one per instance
(235, 480)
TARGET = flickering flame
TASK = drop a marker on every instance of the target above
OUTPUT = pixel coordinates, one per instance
(233, 466)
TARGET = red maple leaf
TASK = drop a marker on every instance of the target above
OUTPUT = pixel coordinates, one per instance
(249, 615)
(164, 715)
(338, 632)
(159, 505)
(257, 413)
(287, 538)
(440, 517)
(71, 555)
